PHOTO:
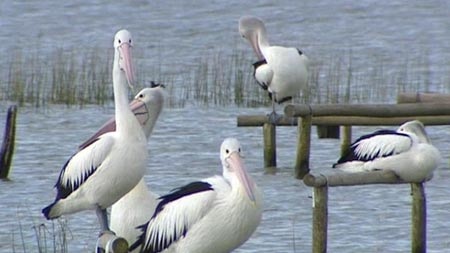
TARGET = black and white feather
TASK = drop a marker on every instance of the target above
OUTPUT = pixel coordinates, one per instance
(406, 151)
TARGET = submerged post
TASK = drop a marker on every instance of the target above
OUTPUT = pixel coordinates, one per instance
(303, 146)
(320, 219)
(419, 219)
(270, 145)
(7, 149)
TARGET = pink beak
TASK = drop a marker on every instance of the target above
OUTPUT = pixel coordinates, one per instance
(126, 63)
(140, 110)
(237, 165)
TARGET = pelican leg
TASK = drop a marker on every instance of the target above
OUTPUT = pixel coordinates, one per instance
(102, 218)
(273, 116)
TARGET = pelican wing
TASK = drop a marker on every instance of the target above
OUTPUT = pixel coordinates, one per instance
(381, 143)
(83, 164)
(263, 73)
(175, 215)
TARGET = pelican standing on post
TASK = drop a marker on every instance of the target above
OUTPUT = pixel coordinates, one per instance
(217, 214)
(282, 71)
(408, 152)
(107, 168)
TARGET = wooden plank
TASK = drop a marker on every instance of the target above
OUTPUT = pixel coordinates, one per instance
(368, 110)
(108, 242)
(260, 120)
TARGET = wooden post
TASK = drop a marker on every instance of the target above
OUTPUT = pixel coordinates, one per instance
(7, 149)
(303, 146)
(110, 243)
(320, 219)
(419, 219)
(346, 138)
(270, 145)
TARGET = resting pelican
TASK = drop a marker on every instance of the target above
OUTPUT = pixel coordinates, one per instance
(107, 168)
(217, 214)
(282, 71)
(408, 152)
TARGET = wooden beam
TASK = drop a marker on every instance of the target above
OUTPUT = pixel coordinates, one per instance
(348, 179)
(368, 110)
(260, 120)
(420, 97)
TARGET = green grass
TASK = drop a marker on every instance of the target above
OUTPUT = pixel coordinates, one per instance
(63, 77)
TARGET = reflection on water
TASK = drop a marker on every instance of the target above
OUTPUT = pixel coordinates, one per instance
(185, 147)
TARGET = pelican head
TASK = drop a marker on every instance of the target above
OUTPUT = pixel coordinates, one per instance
(253, 29)
(147, 106)
(417, 128)
(123, 43)
(231, 157)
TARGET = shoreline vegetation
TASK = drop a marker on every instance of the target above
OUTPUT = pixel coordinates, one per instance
(64, 77)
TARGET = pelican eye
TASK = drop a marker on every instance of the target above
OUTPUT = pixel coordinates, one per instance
(141, 95)
(129, 41)
(227, 151)
(239, 150)
(120, 41)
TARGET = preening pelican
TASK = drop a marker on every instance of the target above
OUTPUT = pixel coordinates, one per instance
(282, 71)
(217, 214)
(407, 151)
(106, 169)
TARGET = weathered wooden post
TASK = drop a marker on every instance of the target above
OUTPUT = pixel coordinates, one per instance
(7, 149)
(320, 219)
(303, 146)
(270, 145)
(346, 138)
(419, 219)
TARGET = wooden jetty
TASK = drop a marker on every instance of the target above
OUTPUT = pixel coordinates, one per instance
(345, 116)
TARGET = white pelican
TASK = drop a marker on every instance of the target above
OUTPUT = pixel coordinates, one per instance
(136, 207)
(282, 71)
(408, 152)
(106, 169)
(217, 214)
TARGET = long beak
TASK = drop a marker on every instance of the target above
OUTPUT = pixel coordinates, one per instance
(254, 43)
(237, 165)
(126, 62)
(140, 110)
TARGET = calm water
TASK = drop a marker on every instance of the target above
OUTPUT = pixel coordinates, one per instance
(172, 36)
(362, 219)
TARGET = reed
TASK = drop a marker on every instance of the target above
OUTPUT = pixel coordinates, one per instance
(216, 79)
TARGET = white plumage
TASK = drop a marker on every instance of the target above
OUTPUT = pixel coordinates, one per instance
(407, 151)
(282, 71)
(95, 177)
(217, 214)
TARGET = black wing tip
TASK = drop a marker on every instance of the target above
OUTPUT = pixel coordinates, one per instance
(46, 211)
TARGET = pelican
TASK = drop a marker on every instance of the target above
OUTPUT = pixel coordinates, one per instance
(216, 214)
(105, 169)
(282, 71)
(407, 151)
